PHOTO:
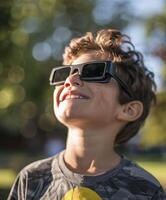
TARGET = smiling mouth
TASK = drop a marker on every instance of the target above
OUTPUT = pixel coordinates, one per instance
(72, 96)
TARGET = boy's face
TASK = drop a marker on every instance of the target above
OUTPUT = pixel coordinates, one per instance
(87, 104)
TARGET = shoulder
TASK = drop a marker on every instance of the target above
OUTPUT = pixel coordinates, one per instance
(138, 180)
(34, 179)
(135, 171)
(39, 169)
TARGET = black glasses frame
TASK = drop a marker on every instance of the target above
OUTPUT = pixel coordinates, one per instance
(110, 70)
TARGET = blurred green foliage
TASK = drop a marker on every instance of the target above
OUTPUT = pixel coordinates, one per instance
(154, 132)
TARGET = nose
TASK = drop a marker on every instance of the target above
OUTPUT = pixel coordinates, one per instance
(73, 80)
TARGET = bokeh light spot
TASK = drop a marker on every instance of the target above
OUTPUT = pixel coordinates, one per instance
(41, 51)
(29, 9)
(62, 34)
(16, 11)
(6, 97)
(47, 6)
(16, 74)
(103, 12)
(19, 93)
(31, 24)
(19, 37)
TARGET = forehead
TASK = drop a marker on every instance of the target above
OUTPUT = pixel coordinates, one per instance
(90, 56)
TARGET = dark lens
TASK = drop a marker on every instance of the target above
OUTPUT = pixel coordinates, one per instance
(93, 70)
(61, 74)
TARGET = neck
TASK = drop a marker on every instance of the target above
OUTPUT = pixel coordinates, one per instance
(90, 151)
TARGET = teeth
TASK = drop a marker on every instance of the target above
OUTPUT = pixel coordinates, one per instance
(74, 97)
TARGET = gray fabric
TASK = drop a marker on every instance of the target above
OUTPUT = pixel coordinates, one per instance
(49, 179)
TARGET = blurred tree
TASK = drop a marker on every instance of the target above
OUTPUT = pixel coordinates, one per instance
(154, 130)
(156, 31)
(156, 126)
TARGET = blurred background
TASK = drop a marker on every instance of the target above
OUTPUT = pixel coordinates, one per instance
(33, 35)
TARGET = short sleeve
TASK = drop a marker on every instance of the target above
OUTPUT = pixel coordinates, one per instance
(19, 188)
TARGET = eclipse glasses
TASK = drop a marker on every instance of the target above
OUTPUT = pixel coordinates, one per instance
(96, 71)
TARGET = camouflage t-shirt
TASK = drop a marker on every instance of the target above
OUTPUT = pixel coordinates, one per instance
(50, 179)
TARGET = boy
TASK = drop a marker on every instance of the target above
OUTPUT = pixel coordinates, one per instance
(103, 96)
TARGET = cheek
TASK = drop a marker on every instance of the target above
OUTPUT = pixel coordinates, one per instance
(102, 96)
(106, 101)
(56, 94)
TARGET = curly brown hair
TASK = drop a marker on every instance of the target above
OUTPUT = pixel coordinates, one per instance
(131, 69)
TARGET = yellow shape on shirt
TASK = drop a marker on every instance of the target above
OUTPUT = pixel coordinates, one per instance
(81, 193)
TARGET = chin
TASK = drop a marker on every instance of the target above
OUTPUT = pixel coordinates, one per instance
(69, 112)
(71, 118)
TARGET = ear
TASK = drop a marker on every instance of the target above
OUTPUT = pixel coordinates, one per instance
(130, 111)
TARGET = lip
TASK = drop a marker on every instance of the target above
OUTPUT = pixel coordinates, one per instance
(72, 95)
